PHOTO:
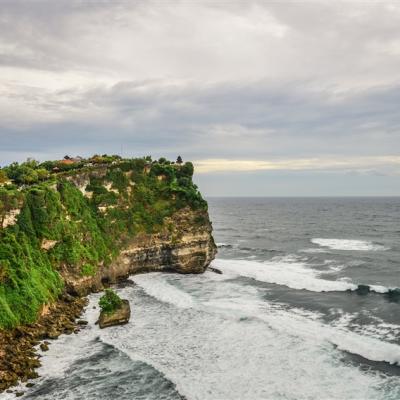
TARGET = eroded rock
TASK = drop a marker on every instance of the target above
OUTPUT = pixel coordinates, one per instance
(118, 317)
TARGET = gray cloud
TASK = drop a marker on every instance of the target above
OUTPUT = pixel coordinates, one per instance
(258, 81)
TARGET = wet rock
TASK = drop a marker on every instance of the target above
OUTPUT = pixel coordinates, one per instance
(19, 394)
(30, 384)
(119, 317)
(18, 358)
(82, 322)
(53, 334)
(44, 347)
(363, 289)
(216, 270)
(67, 298)
(394, 295)
(33, 375)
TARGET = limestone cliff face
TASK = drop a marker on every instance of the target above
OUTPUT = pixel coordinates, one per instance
(185, 245)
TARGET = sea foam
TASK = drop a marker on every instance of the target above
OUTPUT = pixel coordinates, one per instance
(155, 286)
(347, 244)
(289, 272)
(296, 275)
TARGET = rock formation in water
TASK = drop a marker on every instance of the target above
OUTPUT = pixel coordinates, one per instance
(119, 316)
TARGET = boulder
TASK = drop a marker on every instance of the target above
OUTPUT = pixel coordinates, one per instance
(118, 317)
(44, 347)
(363, 289)
(393, 295)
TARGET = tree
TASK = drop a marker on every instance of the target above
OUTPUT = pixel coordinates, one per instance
(42, 174)
(187, 169)
(3, 177)
(24, 173)
(179, 160)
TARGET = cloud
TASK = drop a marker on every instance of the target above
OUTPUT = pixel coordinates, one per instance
(358, 164)
(258, 85)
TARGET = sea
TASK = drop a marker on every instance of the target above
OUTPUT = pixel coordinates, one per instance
(284, 320)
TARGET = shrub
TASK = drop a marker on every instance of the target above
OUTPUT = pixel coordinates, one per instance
(88, 270)
(110, 301)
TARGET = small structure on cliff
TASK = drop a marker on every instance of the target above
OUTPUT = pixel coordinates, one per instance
(114, 310)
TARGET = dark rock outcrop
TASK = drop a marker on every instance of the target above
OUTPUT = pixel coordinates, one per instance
(393, 295)
(363, 289)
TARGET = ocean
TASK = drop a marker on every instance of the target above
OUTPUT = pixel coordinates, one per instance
(283, 321)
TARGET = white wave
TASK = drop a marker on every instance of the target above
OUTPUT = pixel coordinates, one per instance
(313, 250)
(379, 329)
(235, 345)
(379, 288)
(155, 285)
(296, 275)
(368, 347)
(347, 244)
(307, 325)
(289, 272)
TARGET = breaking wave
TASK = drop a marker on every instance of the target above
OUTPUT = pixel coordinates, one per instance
(155, 286)
(294, 274)
(347, 244)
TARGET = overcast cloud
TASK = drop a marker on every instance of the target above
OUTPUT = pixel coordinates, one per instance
(259, 94)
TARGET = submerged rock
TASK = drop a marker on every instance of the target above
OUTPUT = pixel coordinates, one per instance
(393, 294)
(215, 270)
(363, 289)
(118, 317)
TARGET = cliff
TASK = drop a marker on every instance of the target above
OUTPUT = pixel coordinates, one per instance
(184, 244)
(78, 230)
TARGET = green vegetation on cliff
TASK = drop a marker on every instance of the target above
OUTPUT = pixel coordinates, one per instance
(55, 221)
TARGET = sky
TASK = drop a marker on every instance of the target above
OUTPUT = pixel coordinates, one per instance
(267, 98)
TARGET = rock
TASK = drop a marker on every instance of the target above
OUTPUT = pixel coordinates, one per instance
(30, 384)
(393, 294)
(53, 334)
(119, 317)
(18, 358)
(82, 322)
(32, 375)
(216, 270)
(67, 298)
(363, 289)
(48, 244)
(44, 347)
(19, 394)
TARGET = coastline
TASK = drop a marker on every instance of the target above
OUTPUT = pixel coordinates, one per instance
(191, 253)
(77, 233)
(18, 347)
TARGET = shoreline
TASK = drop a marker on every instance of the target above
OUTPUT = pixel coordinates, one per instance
(18, 353)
